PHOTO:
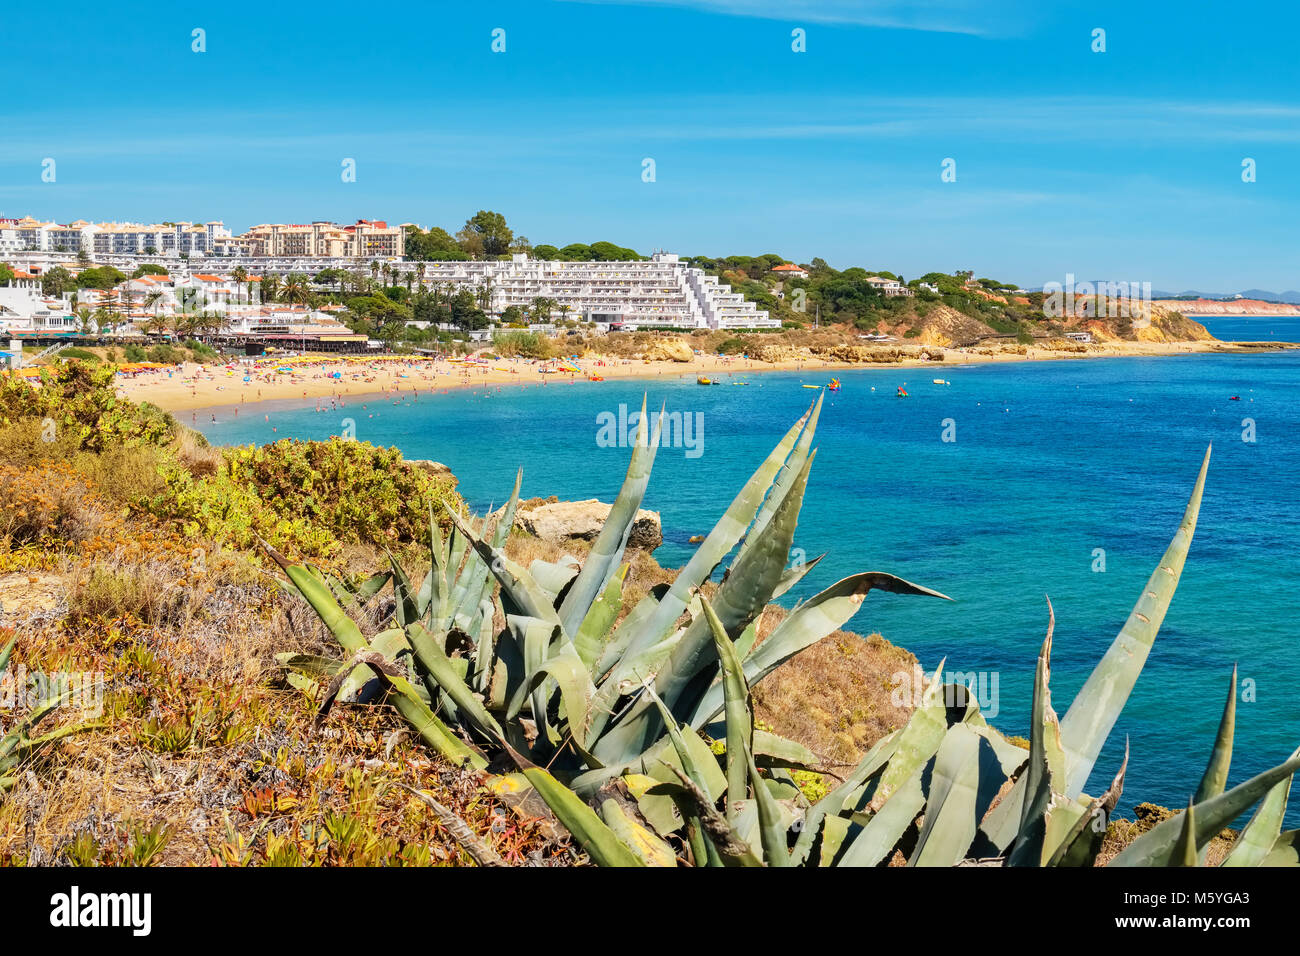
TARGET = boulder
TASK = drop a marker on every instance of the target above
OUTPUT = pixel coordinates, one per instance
(435, 468)
(561, 521)
(669, 350)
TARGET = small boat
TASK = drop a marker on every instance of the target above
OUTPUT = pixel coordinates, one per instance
(939, 381)
(1234, 398)
(902, 392)
(703, 381)
(834, 385)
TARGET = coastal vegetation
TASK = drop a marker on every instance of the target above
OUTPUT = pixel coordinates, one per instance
(311, 654)
(613, 720)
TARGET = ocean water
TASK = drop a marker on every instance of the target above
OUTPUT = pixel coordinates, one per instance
(1052, 461)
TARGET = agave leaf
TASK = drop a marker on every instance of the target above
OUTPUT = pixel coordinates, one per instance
(1097, 706)
(434, 662)
(576, 690)
(1184, 852)
(695, 757)
(644, 844)
(314, 665)
(1256, 840)
(662, 614)
(7, 652)
(407, 609)
(371, 586)
(1286, 851)
(361, 683)
(1215, 780)
(739, 710)
(607, 551)
(771, 829)
(1156, 847)
(917, 742)
(519, 592)
(1080, 846)
(740, 598)
(553, 577)
(786, 477)
(1046, 763)
(807, 624)
(771, 750)
(793, 575)
(432, 730)
(589, 641)
(593, 834)
(474, 582)
(832, 804)
(950, 810)
(621, 641)
(878, 838)
(431, 602)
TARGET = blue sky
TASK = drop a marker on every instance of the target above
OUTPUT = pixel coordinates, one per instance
(1124, 164)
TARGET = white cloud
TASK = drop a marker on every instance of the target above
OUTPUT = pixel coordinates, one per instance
(935, 16)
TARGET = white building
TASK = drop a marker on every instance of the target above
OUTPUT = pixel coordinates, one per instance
(661, 292)
(890, 287)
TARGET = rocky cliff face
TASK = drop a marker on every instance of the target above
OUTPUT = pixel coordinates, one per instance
(560, 521)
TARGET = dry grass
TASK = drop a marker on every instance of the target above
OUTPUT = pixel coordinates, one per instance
(836, 697)
(1120, 833)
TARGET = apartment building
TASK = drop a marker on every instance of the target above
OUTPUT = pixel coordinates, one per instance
(326, 240)
(663, 291)
(110, 238)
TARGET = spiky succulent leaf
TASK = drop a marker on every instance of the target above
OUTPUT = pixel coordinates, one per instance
(1256, 840)
(1215, 779)
(1097, 706)
(1157, 846)
(607, 550)
(950, 807)
(810, 622)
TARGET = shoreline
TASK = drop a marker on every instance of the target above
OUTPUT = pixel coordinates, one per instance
(193, 388)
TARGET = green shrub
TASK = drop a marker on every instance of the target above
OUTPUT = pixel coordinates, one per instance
(524, 344)
(79, 402)
(166, 355)
(80, 354)
(307, 498)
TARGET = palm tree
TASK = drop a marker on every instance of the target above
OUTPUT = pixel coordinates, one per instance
(240, 275)
(374, 270)
(294, 291)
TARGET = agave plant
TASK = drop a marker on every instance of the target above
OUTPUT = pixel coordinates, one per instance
(17, 744)
(570, 681)
(947, 789)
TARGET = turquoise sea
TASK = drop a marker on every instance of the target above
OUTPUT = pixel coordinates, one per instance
(1052, 461)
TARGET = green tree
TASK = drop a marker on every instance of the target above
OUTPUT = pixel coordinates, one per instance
(486, 233)
(57, 281)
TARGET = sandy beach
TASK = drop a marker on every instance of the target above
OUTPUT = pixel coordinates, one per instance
(191, 387)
